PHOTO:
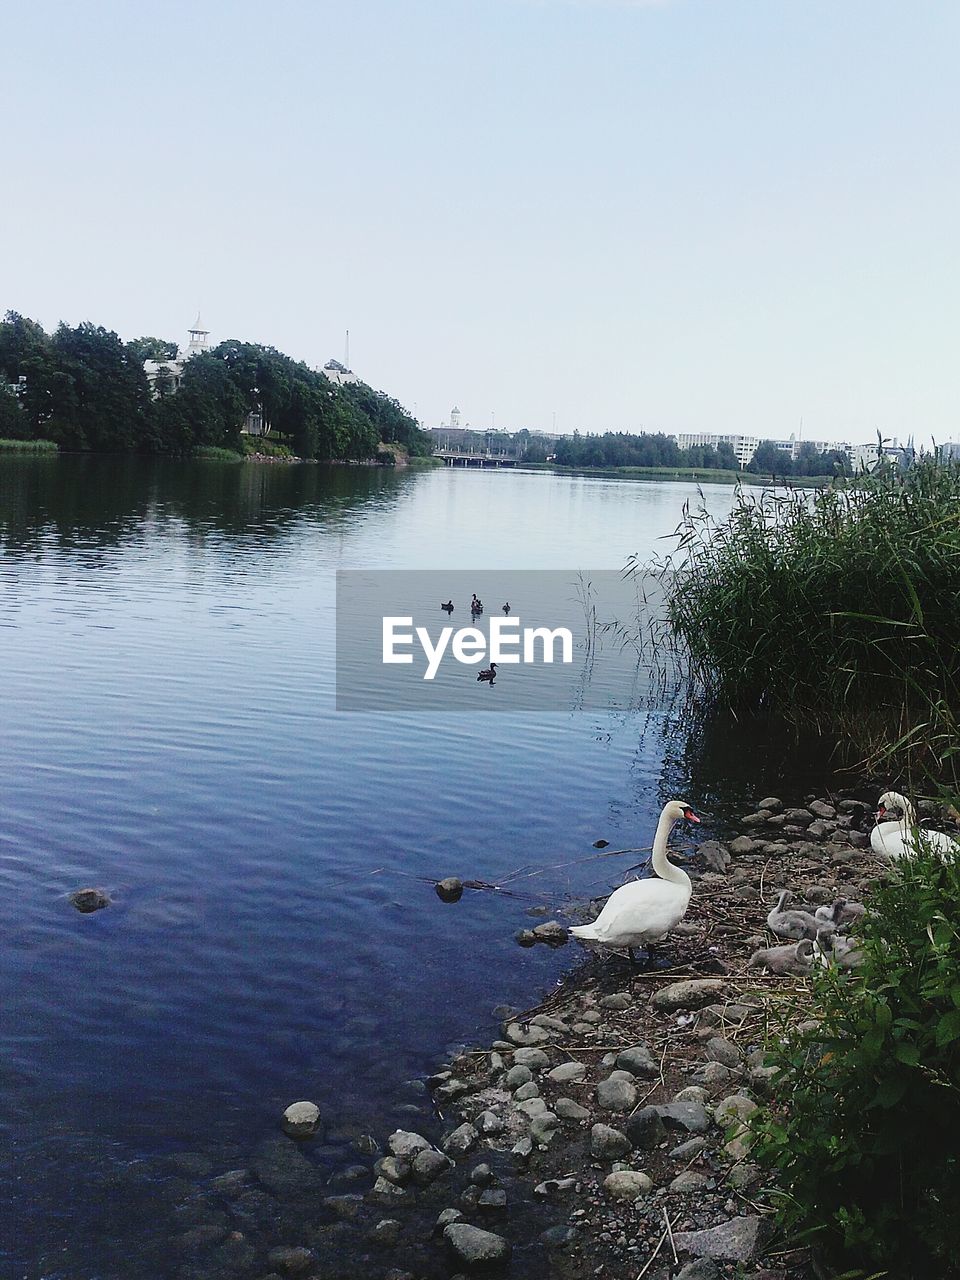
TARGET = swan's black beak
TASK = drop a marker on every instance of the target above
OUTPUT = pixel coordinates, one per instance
(690, 815)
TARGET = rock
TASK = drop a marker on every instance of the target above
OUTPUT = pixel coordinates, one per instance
(638, 1061)
(645, 1129)
(690, 1116)
(393, 1168)
(616, 1095)
(301, 1120)
(820, 809)
(527, 1091)
(386, 1232)
(535, 1059)
(450, 889)
(283, 1169)
(446, 1217)
(568, 1071)
(626, 1184)
(798, 817)
(715, 1077)
(87, 900)
(600, 844)
(692, 993)
(493, 1200)
(346, 1208)
(552, 932)
(619, 1000)
(475, 1247)
(406, 1144)
(233, 1181)
(742, 845)
(517, 1076)
(481, 1175)
(526, 938)
(737, 1240)
(550, 1022)
(567, 1109)
(714, 856)
(743, 1175)
(461, 1140)
(818, 830)
(488, 1122)
(530, 1035)
(687, 1150)
(771, 804)
(428, 1165)
(543, 1127)
(692, 1093)
(723, 1051)
(757, 819)
(290, 1259)
(734, 1108)
(701, 1269)
(531, 1107)
(607, 1143)
(557, 1237)
(689, 1182)
(522, 1149)
(201, 1236)
(386, 1191)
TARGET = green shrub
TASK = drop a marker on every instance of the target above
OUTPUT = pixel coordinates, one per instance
(27, 446)
(864, 1135)
(836, 611)
(213, 453)
(266, 448)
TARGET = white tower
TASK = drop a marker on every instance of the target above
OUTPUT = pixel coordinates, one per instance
(199, 338)
(454, 417)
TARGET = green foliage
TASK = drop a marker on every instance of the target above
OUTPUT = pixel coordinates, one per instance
(838, 612)
(27, 446)
(265, 447)
(211, 453)
(864, 1136)
(86, 390)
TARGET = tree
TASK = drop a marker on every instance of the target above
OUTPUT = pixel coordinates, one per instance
(769, 460)
(152, 349)
(13, 421)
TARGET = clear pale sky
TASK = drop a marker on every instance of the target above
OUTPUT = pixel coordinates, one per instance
(710, 215)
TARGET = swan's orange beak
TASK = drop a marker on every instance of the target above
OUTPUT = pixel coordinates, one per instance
(881, 811)
(690, 815)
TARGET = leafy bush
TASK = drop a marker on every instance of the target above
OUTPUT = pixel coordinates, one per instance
(212, 453)
(27, 446)
(867, 1147)
(266, 448)
(837, 611)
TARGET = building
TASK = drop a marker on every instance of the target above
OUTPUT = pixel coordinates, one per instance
(793, 446)
(864, 457)
(338, 373)
(171, 371)
(743, 446)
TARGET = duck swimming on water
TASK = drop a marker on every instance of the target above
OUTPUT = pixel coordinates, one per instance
(448, 606)
(489, 673)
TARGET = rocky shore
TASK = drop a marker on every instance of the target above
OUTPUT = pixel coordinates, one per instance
(602, 1135)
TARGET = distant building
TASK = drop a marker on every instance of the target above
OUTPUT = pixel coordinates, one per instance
(743, 446)
(338, 373)
(864, 457)
(949, 452)
(172, 370)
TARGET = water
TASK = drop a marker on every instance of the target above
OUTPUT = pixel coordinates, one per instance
(168, 734)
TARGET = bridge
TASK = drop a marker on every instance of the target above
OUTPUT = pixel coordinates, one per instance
(487, 458)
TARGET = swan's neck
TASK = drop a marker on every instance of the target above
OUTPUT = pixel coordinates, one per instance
(661, 863)
(908, 818)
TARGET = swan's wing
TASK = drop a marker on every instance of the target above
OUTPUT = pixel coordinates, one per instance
(644, 908)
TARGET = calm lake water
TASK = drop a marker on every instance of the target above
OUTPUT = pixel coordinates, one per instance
(168, 733)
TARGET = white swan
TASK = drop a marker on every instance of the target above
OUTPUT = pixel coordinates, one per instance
(902, 838)
(640, 913)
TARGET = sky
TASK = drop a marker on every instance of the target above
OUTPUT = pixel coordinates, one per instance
(676, 215)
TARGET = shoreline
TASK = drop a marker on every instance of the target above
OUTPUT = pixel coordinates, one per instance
(601, 1135)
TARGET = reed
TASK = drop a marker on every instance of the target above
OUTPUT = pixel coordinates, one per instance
(27, 446)
(837, 611)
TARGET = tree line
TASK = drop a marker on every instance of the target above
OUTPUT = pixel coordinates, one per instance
(618, 449)
(86, 389)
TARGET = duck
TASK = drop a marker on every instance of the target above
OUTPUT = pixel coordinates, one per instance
(793, 924)
(448, 606)
(642, 912)
(902, 838)
(506, 608)
(488, 673)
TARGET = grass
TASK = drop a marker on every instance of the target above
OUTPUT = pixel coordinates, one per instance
(703, 475)
(27, 446)
(213, 453)
(837, 611)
